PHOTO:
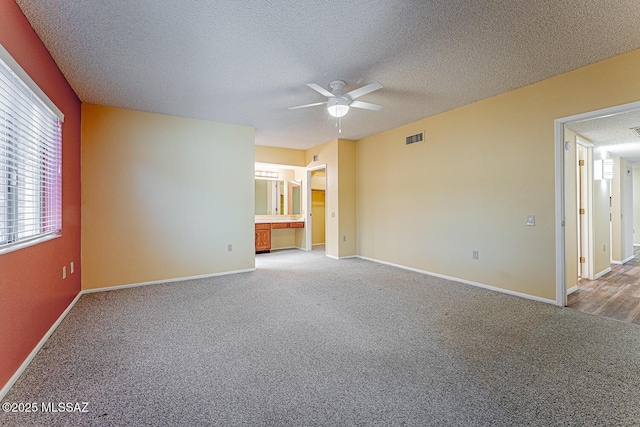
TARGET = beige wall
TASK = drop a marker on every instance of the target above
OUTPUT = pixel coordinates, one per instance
(636, 204)
(163, 196)
(319, 180)
(601, 223)
(281, 156)
(621, 210)
(627, 209)
(347, 198)
(616, 214)
(480, 171)
(283, 238)
(318, 215)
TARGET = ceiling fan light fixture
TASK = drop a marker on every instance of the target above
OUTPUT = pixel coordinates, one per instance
(338, 110)
(338, 107)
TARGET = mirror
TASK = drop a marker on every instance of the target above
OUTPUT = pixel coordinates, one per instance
(277, 197)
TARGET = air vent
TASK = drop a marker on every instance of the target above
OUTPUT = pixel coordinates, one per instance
(418, 137)
(636, 130)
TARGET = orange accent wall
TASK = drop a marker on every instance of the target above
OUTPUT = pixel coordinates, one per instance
(32, 291)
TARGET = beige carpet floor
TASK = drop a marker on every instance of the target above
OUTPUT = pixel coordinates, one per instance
(308, 340)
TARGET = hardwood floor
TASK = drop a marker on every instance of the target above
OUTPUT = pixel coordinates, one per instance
(615, 295)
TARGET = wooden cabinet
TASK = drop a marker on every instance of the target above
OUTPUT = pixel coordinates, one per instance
(263, 233)
(263, 237)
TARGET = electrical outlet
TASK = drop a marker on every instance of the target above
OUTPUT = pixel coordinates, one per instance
(344, 238)
(64, 272)
(71, 267)
(229, 247)
(476, 254)
(333, 214)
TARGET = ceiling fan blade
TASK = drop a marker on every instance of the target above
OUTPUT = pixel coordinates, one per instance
(321, 90)
(365, 105)
(307, 105)
(356, 93)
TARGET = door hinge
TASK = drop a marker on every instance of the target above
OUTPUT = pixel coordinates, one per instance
(581, 211)
(581, 162)
(582, 260)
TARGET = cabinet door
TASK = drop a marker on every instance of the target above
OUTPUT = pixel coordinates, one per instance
(263, 240)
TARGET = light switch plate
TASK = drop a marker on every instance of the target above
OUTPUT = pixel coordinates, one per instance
(531, 220)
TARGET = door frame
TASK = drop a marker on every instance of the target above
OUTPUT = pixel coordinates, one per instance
(308, 220)
(561, 286)
(588, 235)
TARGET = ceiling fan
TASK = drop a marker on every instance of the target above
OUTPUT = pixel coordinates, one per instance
(339, 102)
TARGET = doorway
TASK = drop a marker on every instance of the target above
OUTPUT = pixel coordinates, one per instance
(565, 204)
(316, 208)
(318, 228)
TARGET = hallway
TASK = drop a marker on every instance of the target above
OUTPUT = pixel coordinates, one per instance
(616, 295)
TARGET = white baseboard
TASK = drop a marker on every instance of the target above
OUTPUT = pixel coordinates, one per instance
(286, 248)
(157, 282)
(342, 257)
(602, 273)
(572, 289)
(466, 282)
(36, 349)
(623, 261)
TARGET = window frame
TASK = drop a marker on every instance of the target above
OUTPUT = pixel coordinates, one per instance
(40, 189)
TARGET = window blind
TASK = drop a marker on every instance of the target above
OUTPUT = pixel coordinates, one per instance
(30, 163)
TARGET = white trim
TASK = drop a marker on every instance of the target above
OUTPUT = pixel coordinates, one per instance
(623, 261)
(343, 257)
(28, 243)
(466, 282)
(561, 295)
(572, 290)
(588, 205)
(37, 348)
(157, 282)
(602, 273)
(26, 79)
(636, 244)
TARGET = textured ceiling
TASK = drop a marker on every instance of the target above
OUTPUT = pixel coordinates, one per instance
(613, 133)
(246, 62)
